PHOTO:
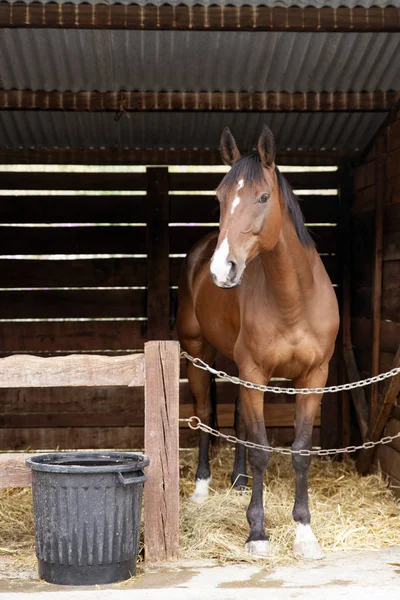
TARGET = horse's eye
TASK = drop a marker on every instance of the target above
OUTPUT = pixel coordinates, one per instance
(264, 198)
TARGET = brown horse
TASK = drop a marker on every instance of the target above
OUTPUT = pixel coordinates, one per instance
(259, 294)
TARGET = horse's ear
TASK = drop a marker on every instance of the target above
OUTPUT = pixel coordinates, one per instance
(266, 147)
(229, 150)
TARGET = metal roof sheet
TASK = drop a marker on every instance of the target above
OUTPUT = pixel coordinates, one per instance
(51, 59)
(281, 3)
(350, 131)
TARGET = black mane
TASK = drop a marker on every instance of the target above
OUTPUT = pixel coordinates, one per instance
(249, 167)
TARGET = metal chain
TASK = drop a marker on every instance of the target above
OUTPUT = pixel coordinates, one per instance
(200, 364)
(195, 423)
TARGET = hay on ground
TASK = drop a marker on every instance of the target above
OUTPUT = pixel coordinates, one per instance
(349, 512)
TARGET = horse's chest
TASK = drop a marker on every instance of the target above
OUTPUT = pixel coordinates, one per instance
(287, 354)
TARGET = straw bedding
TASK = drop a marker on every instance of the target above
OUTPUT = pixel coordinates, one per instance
(349, 512)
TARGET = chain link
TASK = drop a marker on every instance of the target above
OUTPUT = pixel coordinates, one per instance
(195, 424)
(200, 364)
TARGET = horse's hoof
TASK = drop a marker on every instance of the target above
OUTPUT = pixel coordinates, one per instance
(306, 544)
(200, 493)
(239, 483)
(258, 548)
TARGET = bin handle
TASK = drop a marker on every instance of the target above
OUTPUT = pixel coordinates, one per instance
(138, 477)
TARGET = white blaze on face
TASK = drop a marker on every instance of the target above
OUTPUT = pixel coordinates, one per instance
(236, 200)
(220, 266)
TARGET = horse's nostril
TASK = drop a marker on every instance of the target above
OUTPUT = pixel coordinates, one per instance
(233, 269)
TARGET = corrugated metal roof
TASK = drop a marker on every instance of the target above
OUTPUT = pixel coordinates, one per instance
(282, 3)
(348, 131)
(51, 59)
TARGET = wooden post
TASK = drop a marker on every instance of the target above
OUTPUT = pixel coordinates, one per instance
(352, 372)
(158, 298)
(161, 494)
(380, 177)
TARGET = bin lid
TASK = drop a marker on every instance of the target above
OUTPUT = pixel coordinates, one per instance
(88, 462)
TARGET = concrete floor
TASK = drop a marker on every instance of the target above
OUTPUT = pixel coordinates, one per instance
(366, 575)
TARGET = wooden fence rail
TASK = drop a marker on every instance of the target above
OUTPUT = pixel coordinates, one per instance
(158, 371)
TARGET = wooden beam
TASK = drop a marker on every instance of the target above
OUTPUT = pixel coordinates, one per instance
(138, 181)
(158, 156)
(198, 18)
(158, 248)
(122, 102)
(21, 371)
(350, 364)
(73, 181)
(380, 175)
(161, 501)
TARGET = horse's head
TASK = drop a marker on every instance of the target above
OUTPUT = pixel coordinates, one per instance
(250, 218)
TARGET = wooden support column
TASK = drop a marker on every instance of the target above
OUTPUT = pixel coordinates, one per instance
(161, 493)
(350, 365)
(377, 273)
(158, 297)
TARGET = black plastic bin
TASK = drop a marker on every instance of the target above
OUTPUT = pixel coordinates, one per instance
(87, 509)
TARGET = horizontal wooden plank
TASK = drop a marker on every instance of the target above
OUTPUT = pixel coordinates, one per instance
(115, 155)
(390, 334)
(79, 401)
(120, 438)
(72, 240)
(72, 304)
(76, 370)
(99, 272)
(72, 209)
(389, 460)
(203, 209)
(71, 336)
(138, 181)
(199, 18)
(14, 472)
(299, 180)
(183, 238)
(73, 181)
(276, 415)
(195, 101)
(330, 263)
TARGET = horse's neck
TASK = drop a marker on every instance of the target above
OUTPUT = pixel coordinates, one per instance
(288, 271)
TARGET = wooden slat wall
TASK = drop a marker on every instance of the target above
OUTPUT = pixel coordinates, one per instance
(111, 417)
(363, 240)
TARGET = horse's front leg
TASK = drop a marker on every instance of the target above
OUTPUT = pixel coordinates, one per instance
(253, 411)
(305, 543)
(239, 475)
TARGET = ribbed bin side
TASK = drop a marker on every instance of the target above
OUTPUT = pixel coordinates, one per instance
(85, 520)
